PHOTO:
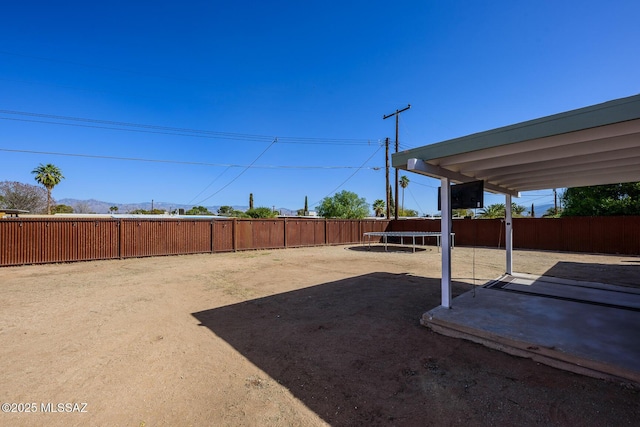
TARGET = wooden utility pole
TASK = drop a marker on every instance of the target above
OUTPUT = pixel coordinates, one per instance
(397, 114)
(386, 187)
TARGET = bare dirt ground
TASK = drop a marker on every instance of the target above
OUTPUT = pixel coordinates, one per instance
(295, 337)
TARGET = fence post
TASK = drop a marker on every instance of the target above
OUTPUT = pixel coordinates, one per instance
(285, 233)
(121, 239)
(211, 237)
(234, 237)
(326, 240)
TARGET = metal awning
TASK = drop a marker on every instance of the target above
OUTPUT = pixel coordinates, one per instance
(595, 145)
(589, 146)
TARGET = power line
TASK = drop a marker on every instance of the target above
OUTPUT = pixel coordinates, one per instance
(207, 187)
(178, 162)
(84, 122)
(404, 146)
(240, 174)
(405, 131)
(351, 176)
(424, 185)
(536, 198)
(416, 201)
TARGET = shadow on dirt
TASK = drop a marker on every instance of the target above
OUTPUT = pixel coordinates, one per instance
(351, 350)
(379, 248)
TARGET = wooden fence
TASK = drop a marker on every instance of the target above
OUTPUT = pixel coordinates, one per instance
(607, 235)
(50, 240)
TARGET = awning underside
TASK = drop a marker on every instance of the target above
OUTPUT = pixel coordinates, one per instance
(553, 152)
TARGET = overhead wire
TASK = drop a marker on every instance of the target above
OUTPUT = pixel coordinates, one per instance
(351, 176)
(241, 173)
(178, 162)
(415, 200)
(406, 133)
(207, 187)
(424, 185)
(84, 122)
(53, 119)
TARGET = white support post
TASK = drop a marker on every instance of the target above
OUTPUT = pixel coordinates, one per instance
(445, 230)
(508, 234)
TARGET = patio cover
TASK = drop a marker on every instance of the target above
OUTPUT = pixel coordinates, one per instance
(594, 145)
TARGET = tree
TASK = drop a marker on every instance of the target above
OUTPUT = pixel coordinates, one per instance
(392, 205)
(344, 204)
(408, 212)
(229, 211)
(48, 176)
(82, 208)
(602, 200)
(113, 209)
(225, 210)
(498, 211)
(378, 207)
(305, 210)
(517, 211)
(62, 209)
(146, 212)
(404, 183)
(552, 213)
(16, 195)
(198, 210)
(261, 212)
(492, 211)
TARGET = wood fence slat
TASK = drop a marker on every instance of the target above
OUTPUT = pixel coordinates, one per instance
(51, 240)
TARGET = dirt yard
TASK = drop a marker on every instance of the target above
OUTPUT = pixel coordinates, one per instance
(295, 337)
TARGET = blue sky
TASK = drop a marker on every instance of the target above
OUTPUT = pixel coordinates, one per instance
(198, 91)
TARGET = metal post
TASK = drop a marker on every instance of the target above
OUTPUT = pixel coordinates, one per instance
(445, 241)
(508, 234)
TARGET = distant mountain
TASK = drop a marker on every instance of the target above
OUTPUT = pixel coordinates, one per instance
(101, 207)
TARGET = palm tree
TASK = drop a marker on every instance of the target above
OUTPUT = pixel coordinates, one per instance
(517, 210)
(49, 176)
(404, 183)
(493, 211)
(498, 211)
(378, 207)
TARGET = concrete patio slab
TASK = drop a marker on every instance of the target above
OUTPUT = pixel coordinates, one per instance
(583, 327)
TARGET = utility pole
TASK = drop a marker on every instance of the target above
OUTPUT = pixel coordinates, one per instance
(397, 114)
(386, 187)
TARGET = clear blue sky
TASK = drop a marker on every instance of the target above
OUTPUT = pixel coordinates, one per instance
(201, 85)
